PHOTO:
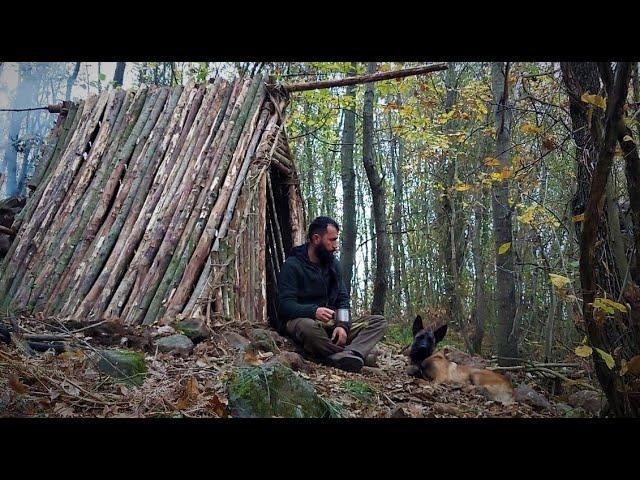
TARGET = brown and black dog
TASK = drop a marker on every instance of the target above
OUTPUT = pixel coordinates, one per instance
(425, 340)
(437, 367)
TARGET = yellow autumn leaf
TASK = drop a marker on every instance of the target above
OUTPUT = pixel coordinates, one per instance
(578, 218)
(504, 248)
(596, 100)
(463, 187)
(583, 351)
(616, 305)
(608, 359)
(627, 138)
(496, 175)
(527, 216)
(529, 127)
(600, 304)
(492, 162)
(558, 280)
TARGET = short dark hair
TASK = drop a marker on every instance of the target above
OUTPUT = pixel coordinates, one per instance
(320, 224)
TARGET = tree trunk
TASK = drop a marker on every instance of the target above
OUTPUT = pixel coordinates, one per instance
(507, 335)
(632, 171)
(118, 75)
(450, 224)
(619, 337)
(378, 196)
(606, 335)
(481, 308)
(23, 96)
(348, 176)
(71, 80)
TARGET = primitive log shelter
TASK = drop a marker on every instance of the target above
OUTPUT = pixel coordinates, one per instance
(157, 204)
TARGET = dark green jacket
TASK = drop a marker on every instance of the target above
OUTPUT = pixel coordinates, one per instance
(303, 286)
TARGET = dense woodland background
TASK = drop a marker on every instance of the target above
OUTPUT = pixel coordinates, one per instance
(485, 195)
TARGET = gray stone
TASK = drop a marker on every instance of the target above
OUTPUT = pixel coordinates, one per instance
(126, 365)
(274, 391)
(525, 394)
(589, 400)
(398, 412)
(292, 360)
(194, 328)
(236, 340)
(175, 344)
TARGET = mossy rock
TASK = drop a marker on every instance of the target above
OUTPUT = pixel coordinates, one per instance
(126, 365)
(262, 340)
(578, 412)
(274, 391)
(193, 328)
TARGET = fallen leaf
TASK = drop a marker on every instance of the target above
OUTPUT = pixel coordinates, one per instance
(219, 407)
(70, 389)
(578, 218)
(192, 388)
(16, 385)
(202, 362)
(251, 358)
(63, 409)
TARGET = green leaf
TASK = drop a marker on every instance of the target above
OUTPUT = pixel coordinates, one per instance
(608, 306)
(504, 248)
(608, 359)
(103, 76)
(616, 305)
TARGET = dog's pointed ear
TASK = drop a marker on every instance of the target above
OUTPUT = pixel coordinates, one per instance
(417, 325)
(440, 333)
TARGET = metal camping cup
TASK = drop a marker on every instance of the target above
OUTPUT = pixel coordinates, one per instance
(342, 315)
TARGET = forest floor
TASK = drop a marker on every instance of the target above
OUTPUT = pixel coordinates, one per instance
(68, 384)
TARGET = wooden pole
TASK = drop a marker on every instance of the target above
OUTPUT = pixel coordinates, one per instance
(375, 77)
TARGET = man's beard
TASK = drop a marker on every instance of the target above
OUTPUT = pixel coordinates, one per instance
(324, 255)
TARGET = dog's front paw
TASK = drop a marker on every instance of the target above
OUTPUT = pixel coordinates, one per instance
(414, 371)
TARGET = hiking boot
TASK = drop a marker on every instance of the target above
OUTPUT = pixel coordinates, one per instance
(347, 360)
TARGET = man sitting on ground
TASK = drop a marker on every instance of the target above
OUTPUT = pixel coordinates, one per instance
(310, 290)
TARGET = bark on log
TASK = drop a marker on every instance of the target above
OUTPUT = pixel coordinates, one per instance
(375, 77)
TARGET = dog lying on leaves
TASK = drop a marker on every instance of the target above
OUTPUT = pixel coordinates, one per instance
(437, 367)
